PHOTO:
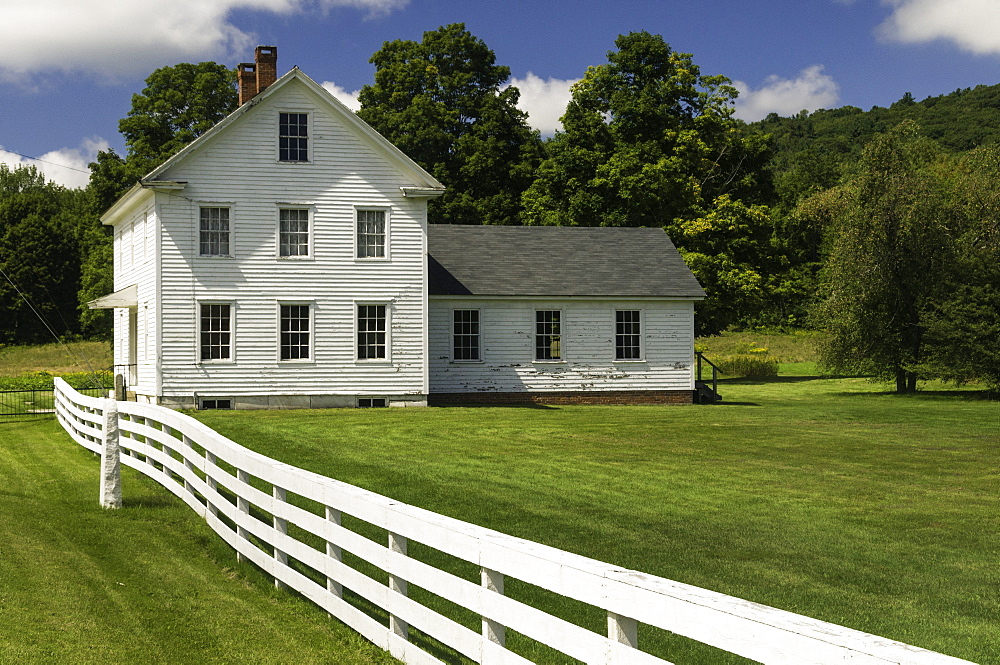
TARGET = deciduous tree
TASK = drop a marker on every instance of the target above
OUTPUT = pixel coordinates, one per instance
(442, 101)
(892, 256)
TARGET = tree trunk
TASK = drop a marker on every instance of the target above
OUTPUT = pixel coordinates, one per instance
(900, 380)
(911, 382)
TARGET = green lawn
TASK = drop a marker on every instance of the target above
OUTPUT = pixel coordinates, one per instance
(826, 497)
(149, 583)
(832, 498)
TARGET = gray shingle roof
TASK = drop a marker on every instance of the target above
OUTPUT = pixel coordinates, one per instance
(556, 261)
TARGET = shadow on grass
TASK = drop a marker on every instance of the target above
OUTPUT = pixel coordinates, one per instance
(152, 502)
(976, 395)
(20, 419)
(724, 402)
(544, 407)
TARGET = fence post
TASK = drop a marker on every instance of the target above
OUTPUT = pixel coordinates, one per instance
(242, 505)
(280, 527)
(111, 470)
(622, 630)
(333, 551)
(493, 631)
(397, 544)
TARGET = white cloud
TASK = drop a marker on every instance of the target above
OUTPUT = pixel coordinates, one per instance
(127, 37)
(350, 99)
(66, 166)
(973, 25)
(544, 100)
(812, 89)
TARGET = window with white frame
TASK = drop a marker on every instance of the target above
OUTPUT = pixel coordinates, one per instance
(213, 231)
(371, 332)
(628, 334)
(465, 334)
(295, 327)
(293, 232)
(293, 137)
(216, 331)
(371, 234)
(548, 335)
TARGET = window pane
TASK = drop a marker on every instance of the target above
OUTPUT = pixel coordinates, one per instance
(293, 232)
(371, 332)
(214, 232)
(293, 137)
(294, 338)
(628, 335)
(371, 234)
(548, 338)
(466, 334)
(215, 332)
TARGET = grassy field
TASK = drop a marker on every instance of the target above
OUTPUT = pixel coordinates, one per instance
(149, 583)
(827, 497)
(832, 498)
(55, 358)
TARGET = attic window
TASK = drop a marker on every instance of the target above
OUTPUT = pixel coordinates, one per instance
(293, 137)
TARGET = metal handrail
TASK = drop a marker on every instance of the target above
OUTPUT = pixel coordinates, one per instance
(715, 371)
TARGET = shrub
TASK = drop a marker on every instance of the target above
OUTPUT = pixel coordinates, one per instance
(749, 365)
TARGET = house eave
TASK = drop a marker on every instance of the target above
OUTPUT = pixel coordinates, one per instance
(134, 195)
(422, 192)
(623, 296)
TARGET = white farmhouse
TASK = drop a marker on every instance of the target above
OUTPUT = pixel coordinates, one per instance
(281, 260)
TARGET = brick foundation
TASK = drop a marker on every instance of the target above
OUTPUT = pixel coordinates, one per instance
(656, 397)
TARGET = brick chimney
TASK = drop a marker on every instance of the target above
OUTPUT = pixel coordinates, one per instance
(254, 78)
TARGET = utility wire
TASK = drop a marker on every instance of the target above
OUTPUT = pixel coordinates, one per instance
(43, 161)
(48, 327)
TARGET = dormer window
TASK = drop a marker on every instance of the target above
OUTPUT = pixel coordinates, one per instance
(293, 137)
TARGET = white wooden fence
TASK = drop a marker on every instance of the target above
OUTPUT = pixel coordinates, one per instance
(213, 475)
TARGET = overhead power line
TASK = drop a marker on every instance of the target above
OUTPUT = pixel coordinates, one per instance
(43, 161)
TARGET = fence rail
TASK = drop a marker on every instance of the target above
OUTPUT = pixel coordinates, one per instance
(246, 498)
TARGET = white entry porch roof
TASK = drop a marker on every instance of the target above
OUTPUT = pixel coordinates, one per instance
(127, 297)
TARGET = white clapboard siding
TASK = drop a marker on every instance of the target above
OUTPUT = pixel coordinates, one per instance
(237, 167)
(185, 456)
(134, 255)
(507, 345)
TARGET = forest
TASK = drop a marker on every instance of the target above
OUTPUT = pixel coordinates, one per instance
(880, 227)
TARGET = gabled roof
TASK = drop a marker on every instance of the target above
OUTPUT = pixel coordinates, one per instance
(557, 261)
(422, 178)
(423, 183)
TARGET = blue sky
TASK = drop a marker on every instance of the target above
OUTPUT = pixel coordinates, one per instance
(68, 68)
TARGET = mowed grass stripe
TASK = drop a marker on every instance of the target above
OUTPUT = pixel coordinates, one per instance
(825, 497)
(148, 583)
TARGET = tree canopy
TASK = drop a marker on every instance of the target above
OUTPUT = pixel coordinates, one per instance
(910, 282)
(647, 140)
(442, 101)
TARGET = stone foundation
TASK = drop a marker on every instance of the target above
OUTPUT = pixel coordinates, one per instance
(622, 397)
(285, 401)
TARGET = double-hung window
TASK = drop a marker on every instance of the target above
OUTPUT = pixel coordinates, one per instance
(293, 232)
(465, 338)
(371, 234)
(371, 325)
(293, 137)
(628, 334)
(213, 231)
(216, 331)
(548, 335)
(296, 325)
